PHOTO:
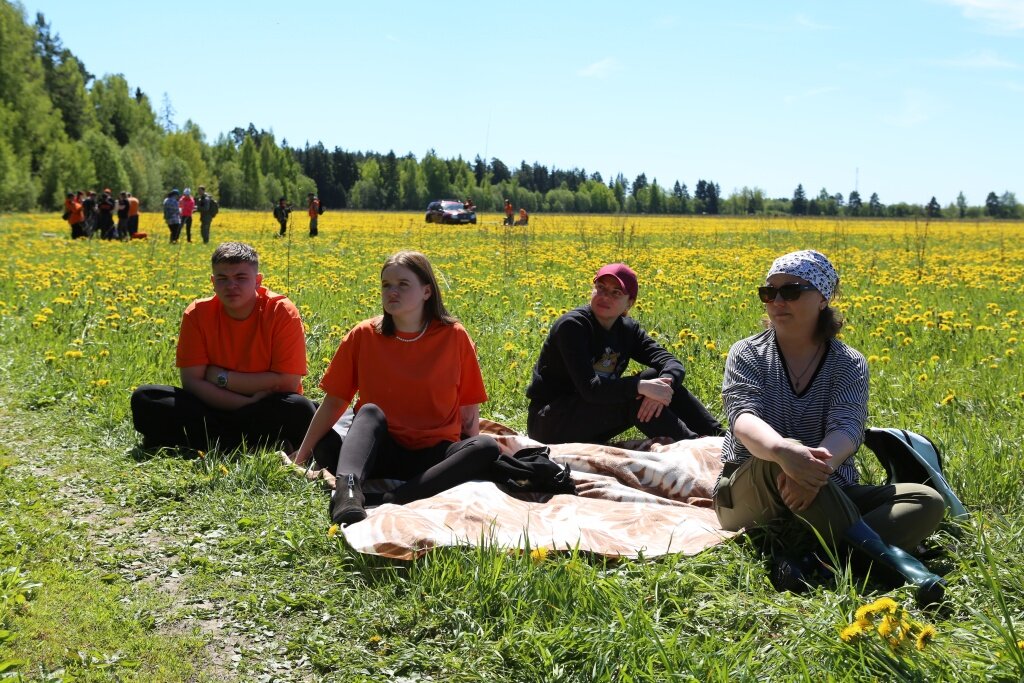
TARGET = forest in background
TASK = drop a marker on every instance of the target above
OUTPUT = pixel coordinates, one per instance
(63, 129)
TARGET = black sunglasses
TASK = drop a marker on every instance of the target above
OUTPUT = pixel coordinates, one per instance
(790, 292)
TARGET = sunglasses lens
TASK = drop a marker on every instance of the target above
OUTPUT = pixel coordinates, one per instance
(790, 292)
(766, 294)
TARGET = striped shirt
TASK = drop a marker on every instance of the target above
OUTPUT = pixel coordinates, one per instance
(836, 399)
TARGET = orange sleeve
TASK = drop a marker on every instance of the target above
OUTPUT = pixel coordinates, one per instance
(471, 381)
(288, 351)
(342, 377)
(191, 341)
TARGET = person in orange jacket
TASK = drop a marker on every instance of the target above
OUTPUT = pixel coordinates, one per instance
(74, 214)
(509, 211)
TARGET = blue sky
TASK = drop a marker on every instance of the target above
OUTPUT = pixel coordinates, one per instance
(906, 98)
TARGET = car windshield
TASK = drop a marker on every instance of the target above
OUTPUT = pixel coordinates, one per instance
(452, 206)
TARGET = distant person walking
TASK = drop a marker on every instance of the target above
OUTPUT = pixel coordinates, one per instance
(187, 205)
(314, 213)
(172, 215)
(207, 207)
(281, 212)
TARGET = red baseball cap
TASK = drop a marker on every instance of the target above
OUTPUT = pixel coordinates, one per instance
(624, 275)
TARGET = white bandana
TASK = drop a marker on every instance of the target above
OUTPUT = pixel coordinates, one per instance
(810, 265)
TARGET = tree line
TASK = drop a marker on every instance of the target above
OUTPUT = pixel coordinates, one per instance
(63, 129)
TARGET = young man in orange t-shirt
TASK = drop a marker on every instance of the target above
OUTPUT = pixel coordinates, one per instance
(241, 354)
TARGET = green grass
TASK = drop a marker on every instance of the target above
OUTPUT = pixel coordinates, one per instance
(116, 564)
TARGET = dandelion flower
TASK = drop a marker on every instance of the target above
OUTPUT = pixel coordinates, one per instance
(923, 636)
(853, 630)
(538, 555)
(949, 399)
(224, 470)
(888, 626)
(333, 531)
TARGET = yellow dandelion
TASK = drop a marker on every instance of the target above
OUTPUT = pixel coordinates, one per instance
(102, 382)
(853, 630)
(950, 397)
(873, 359)
(72, 354)
(539, 554)
(1020, 644)
(923, 636)
(374, 639)
(923, 377)
(333, 531)
(888, 626)
(224, 470)
(934, 359)
(710, 346)
(103, 353)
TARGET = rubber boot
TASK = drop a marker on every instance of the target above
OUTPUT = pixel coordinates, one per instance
(931, 588)
(347, 504)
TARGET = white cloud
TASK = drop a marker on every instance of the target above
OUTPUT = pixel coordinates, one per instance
(600, 69)
(1000, 15)
(982, 59)
(912, 110)
(806, 22)
(807, 94)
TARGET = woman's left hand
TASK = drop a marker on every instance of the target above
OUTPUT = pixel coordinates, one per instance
(796, 497)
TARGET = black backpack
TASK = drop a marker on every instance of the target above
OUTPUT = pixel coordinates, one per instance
(211, 206)
(320, 208)
(910, 457)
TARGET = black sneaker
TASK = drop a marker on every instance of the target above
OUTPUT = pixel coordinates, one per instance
(347, 504)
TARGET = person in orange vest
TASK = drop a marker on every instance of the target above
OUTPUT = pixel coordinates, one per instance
(508, 212)
(524, 218)
(314, 213)
(74, 215)
(133, 215)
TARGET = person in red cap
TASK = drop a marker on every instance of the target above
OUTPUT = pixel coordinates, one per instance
(579, 392)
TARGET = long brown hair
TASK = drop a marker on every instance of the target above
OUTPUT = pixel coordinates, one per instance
(433, 308)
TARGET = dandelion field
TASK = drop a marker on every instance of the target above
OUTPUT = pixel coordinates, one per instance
(116, 563)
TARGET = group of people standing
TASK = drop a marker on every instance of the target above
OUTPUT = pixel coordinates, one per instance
(314, 208)
(180, 207)
(795, 398)
(90, 214)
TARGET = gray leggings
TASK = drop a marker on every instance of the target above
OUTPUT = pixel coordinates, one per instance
(902, 514)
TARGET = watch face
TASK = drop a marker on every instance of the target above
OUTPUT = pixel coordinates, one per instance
(222, 380)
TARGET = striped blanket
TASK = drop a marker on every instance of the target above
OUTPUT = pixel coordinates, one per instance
(640, 498)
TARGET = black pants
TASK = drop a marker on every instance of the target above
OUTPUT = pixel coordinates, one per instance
(186, 222)
(172, 417)
(175, 229)
(570, 419)
(369, 452)
(284, 226)
(204, 228)
(78, 230)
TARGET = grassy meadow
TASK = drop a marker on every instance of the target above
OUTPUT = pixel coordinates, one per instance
(120, 564)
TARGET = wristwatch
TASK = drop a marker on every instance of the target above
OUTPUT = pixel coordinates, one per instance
(222, 379)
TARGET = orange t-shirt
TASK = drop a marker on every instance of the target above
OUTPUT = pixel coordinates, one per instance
(270, 339)
(133, 206)
(75, 212)
(314, 208)
(419, 385)
(508, 209)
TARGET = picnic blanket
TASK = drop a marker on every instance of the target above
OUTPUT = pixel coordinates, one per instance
(641, 499)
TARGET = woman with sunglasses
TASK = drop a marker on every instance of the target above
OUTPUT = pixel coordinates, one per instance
(796, 398)
(419, 384)
(578, 392)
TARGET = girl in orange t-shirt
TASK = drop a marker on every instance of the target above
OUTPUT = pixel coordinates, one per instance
(420, 389)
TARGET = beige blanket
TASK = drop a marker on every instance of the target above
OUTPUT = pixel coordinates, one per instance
(649, 499)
